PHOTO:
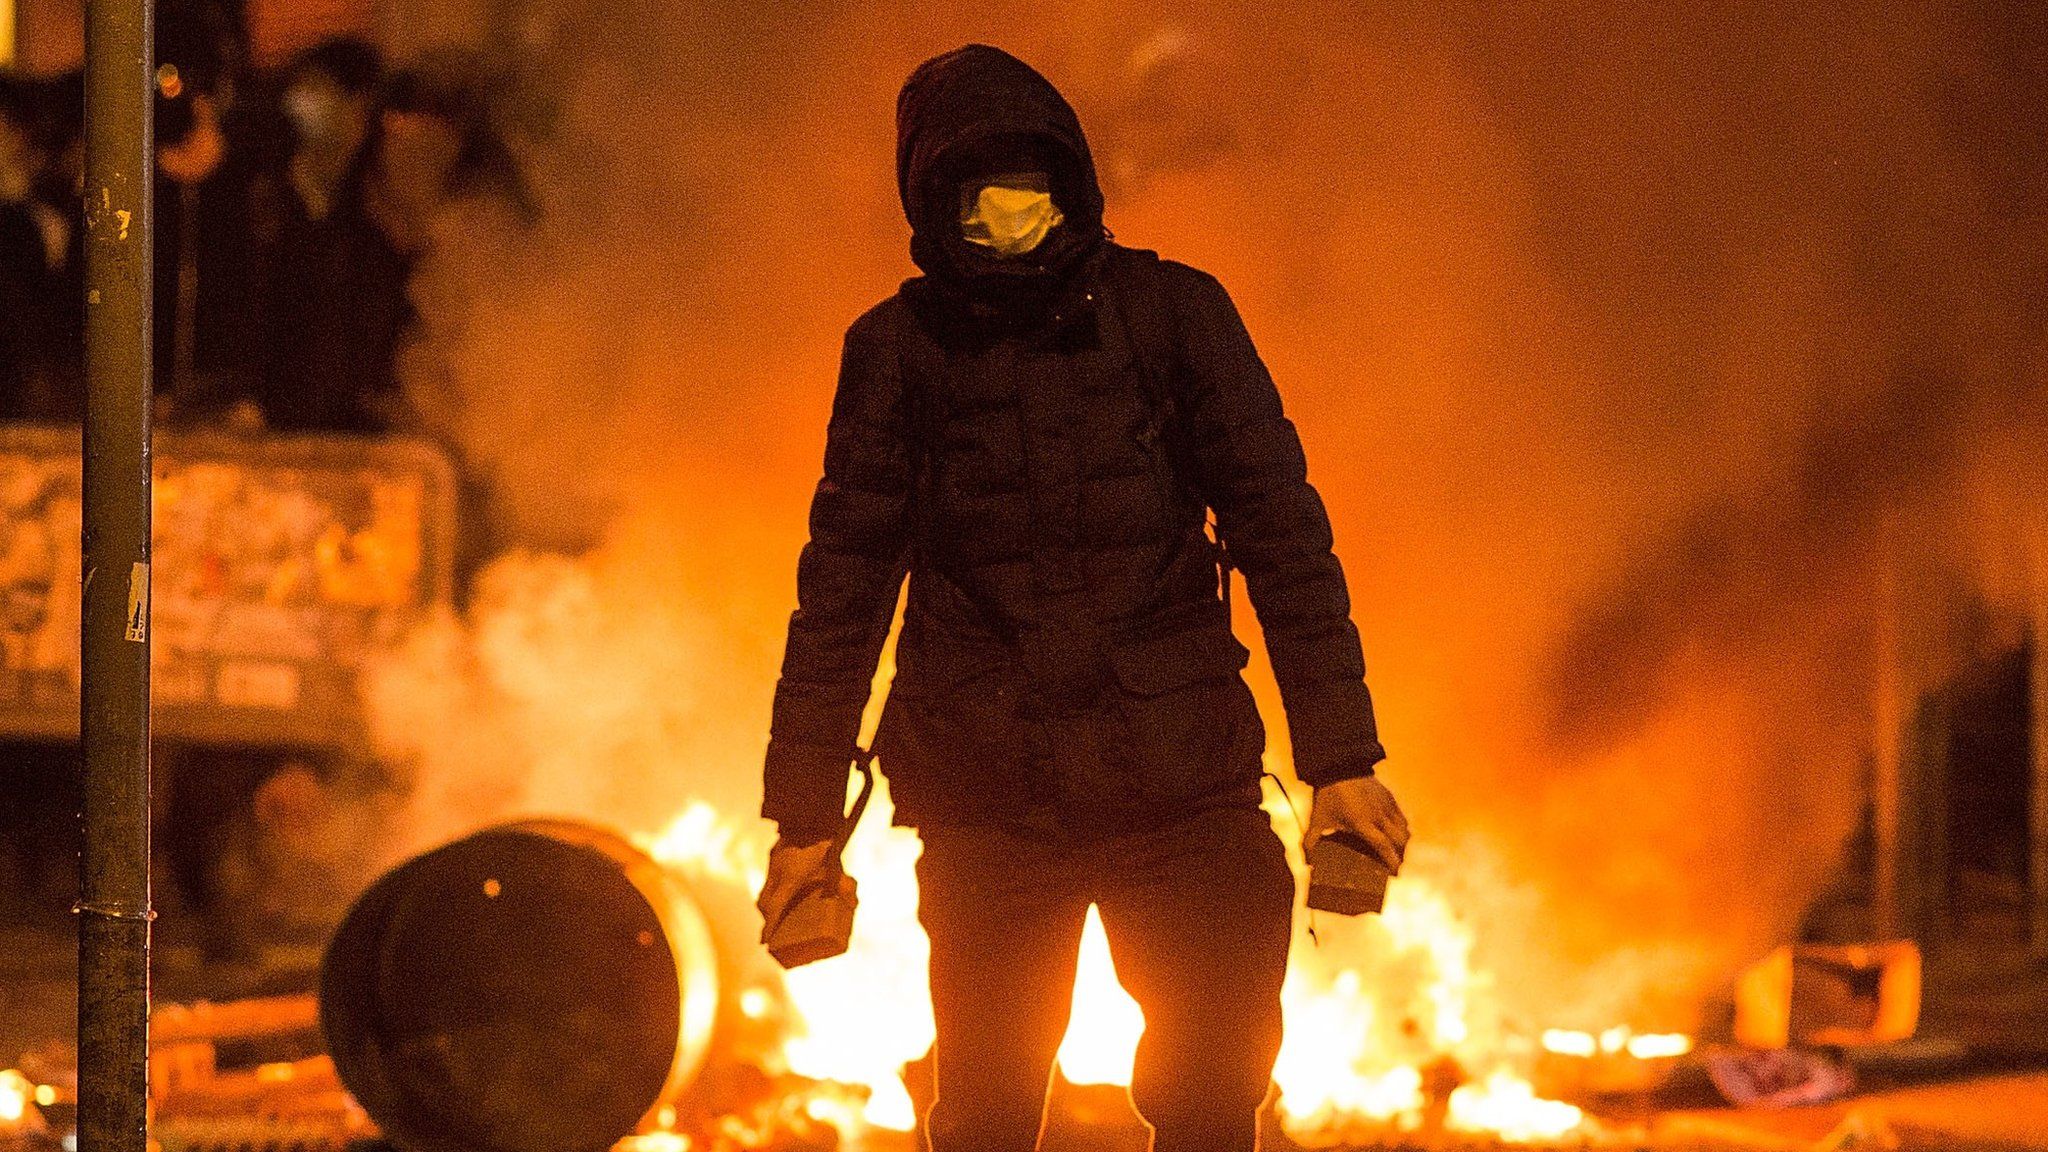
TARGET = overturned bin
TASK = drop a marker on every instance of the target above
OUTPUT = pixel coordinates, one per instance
(541, 986)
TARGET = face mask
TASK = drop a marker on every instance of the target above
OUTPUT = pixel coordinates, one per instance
(310, 107)
(1010, 214)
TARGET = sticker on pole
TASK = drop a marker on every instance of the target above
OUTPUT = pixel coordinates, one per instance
(138, 603)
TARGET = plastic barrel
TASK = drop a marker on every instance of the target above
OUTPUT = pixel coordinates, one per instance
(541, 986)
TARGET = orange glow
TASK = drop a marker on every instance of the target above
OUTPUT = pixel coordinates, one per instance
(1390, 1024)
(1526, 412)
(1102, 1031)
(1507, 1107)
(1641, 1046)
(859, 1017)
(15, 1093)
(1428, 1019)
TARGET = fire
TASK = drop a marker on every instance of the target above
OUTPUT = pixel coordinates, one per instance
(1387, 1015)
(860, 1017)
(701, 842)
(1506, 1106)
(1641, 1046)
(1390, 1024)
(867, 1014)
(1103, 1026)
(15, 1093)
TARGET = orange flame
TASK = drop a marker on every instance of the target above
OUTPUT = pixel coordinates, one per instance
(1373, 1014)
(15, 1093)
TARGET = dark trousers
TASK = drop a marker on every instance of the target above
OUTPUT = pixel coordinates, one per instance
(1198, 914)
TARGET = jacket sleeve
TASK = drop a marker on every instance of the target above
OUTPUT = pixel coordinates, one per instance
(1251, 469)
(848, 576)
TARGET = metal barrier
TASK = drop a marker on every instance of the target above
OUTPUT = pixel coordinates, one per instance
(279, 564)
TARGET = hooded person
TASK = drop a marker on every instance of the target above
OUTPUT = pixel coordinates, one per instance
(1037, 432)
(964, 122)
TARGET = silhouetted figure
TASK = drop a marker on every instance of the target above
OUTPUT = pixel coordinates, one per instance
(336, 303)
(1035, 431)
(36, 243)
(379, 162)
(207, 344)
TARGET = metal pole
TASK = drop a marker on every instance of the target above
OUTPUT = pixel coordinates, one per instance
(114, 903)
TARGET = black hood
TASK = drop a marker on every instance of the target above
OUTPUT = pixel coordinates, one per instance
(970, 96)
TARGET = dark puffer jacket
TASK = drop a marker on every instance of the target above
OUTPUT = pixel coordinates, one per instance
(1036, 443)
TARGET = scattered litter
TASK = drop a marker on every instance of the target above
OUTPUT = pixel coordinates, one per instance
(1779, 1078)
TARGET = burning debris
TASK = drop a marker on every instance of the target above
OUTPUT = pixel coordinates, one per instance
(548, 985)
(1797, 328)
(540, 986)
(1391, 1031)
(1372, 1014)
(1830, 996)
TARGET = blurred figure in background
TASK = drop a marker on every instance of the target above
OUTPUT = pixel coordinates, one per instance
(265, 846)
(437, 149)
(59, 132)
(292, 210)
(329, 100)
(198, 226)
(23, 265)
(312, 298)
(35, 242)
(336, 302)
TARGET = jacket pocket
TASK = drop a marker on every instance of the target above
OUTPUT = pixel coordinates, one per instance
(1182, 723)
(952, 737)
(1158, 665)
(934, 672)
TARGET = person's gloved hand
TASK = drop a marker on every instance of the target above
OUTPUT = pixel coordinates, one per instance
(1365, 808)
(792, 870)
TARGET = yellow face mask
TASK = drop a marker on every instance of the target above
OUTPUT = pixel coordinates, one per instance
(1011, 214)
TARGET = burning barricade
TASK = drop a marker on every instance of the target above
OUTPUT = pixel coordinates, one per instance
(548, 985)
(545, 986)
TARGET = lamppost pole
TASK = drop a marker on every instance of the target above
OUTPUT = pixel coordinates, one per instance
(114, 897)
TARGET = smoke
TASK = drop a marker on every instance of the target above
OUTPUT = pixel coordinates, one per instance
(1614, 334)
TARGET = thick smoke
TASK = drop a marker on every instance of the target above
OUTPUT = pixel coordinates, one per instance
(1614, 334)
